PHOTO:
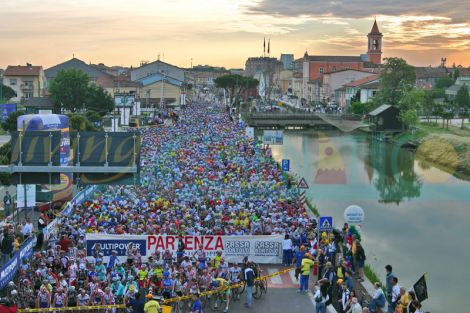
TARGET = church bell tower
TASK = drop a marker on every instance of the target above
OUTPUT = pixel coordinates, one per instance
(375, 45)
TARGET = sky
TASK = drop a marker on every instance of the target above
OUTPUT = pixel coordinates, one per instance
(227, 32)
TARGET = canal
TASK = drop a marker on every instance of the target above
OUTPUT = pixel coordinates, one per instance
(417, 217)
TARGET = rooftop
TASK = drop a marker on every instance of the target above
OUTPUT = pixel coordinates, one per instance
(334, 58)
(19, 70)
(362, 81)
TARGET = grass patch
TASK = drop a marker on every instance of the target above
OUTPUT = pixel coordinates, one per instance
(371, 275)
(312, 208)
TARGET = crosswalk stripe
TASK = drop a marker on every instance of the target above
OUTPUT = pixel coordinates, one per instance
(277, 280)
(292, 276)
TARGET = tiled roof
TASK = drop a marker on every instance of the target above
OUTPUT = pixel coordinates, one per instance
(91, 71)
(19, 70)
(362, 81)
(430, 72)
(334, 58)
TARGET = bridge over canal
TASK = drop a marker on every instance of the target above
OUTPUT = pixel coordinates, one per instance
(344, 122)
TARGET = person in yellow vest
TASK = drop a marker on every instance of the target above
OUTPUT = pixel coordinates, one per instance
(305, 267)
(152, 306)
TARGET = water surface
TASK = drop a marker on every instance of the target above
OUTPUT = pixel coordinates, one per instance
(417, 216)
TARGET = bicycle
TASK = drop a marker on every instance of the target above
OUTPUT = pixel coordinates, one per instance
(261, 286)
(218, 300)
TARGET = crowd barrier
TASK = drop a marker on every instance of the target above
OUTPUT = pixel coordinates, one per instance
(10, 268)
(260, 248)
(52, 227)
(176, 299)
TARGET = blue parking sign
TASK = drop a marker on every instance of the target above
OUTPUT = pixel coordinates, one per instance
(285, 165)
(326, 223)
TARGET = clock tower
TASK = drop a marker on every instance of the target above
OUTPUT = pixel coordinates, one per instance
(375, 45)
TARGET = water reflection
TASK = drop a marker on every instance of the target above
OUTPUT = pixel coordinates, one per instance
(394, 174)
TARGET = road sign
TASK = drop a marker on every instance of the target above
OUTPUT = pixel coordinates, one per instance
(285, 165)
(326, 223)
(302, 184)
(354, 214)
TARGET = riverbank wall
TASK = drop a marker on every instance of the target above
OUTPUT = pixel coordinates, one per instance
(449, 152)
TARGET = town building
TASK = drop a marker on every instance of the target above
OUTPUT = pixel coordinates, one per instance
(155, 86)
(426, 77)
(323, 89)
(27, 81)
(158, 67)
(266, 70)
(363, 89)
(93, 73)
(452, 91)
(287, 61)
(386, 118)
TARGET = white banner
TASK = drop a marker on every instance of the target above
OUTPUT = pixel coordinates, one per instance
(30, 196)
(261, 249)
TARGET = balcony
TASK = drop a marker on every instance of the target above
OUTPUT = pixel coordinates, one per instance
(26, 87)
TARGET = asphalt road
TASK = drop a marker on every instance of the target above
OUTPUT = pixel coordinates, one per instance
(277, 300)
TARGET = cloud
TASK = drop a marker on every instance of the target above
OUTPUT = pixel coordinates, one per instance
(456, 9)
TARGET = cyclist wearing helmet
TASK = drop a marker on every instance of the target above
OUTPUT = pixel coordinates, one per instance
(220, 283)
(167, 285)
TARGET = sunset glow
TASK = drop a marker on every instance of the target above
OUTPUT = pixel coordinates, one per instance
(224, 32)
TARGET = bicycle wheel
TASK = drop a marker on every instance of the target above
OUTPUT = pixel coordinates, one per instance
(241, 289)
(216, 303)
(257, 292)
(265, 284)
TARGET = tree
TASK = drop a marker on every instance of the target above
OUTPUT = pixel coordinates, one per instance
(77, 122)
(396, 78)
(409, 117)
(462, 101)
(428, 105)
(235, 85)
(11, 123)
(7, 93)
(444, 82)
(69, 89)
(98, 100)
(412, 99)
(456, 74)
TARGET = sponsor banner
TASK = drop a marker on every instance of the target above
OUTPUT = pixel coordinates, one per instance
(52, 227)
(8, 271)
(261, 249)
(27, 249)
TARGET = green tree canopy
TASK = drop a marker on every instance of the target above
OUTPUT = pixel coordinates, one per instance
(444, 82)
(98, 100)
(396, 78)
(412, 99)
(7, 93)
(462, 101)
(69, 89)
(11, 123)
(235, 85)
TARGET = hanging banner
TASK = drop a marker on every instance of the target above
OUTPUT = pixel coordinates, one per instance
(261, 249)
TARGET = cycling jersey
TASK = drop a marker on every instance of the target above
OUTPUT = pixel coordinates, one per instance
(235, 274)
(83, 300)
(143, 274)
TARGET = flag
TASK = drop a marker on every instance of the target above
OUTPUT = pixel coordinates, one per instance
(421, 289)
(269, 43)
(264, 45)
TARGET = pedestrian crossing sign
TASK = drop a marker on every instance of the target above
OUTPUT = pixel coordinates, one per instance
(326, 223)
(302, 184)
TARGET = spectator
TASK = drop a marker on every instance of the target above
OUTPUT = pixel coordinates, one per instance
(305, 268)
(388, 282)
(7, 202)
(378, 298)
(395, 295)
(355, 306)
(249, 277)
(7, 245)
(287, 250)
(321, 297)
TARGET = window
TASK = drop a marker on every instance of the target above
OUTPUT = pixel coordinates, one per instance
(28, 95)
(12, 81)
(322, 70)
(334, 68)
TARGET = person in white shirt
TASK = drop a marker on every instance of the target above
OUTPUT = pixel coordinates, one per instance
(287, 251)
(395, 295)
(355, 306)
(321, 297)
